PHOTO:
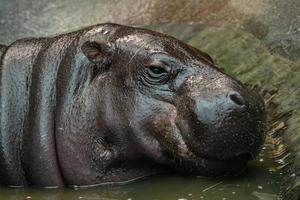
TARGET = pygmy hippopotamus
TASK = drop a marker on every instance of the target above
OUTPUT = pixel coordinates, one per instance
(112, 103)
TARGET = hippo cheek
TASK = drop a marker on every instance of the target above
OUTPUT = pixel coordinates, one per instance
(158, 136)
(165, 129)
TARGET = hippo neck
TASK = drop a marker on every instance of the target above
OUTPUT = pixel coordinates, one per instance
(37, 76)
(30, 72)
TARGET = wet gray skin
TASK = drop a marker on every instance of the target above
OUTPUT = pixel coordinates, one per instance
(111, 104)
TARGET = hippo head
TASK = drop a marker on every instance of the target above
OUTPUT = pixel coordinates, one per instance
(168, 102)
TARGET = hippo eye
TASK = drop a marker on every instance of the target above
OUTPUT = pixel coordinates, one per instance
(157, 74)
(157, 70)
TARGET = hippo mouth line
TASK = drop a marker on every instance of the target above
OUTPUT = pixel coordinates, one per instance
(191, 161)
(207, 167)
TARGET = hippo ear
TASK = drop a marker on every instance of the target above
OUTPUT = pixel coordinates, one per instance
(99, 52)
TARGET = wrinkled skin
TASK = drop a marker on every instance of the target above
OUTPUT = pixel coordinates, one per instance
(111, 104)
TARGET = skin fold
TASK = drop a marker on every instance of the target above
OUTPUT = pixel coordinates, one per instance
(111, 104)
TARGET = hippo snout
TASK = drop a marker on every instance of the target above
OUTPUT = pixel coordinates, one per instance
(225, 124)
(212, 110)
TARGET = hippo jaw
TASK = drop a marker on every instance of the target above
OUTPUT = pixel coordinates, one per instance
(219, 143)
(222, 124)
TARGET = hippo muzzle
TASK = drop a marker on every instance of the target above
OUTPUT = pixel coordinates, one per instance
(223, 124)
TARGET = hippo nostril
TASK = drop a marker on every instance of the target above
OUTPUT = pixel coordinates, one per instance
(237, 99)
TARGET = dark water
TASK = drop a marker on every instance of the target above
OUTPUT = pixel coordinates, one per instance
(251, 186)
